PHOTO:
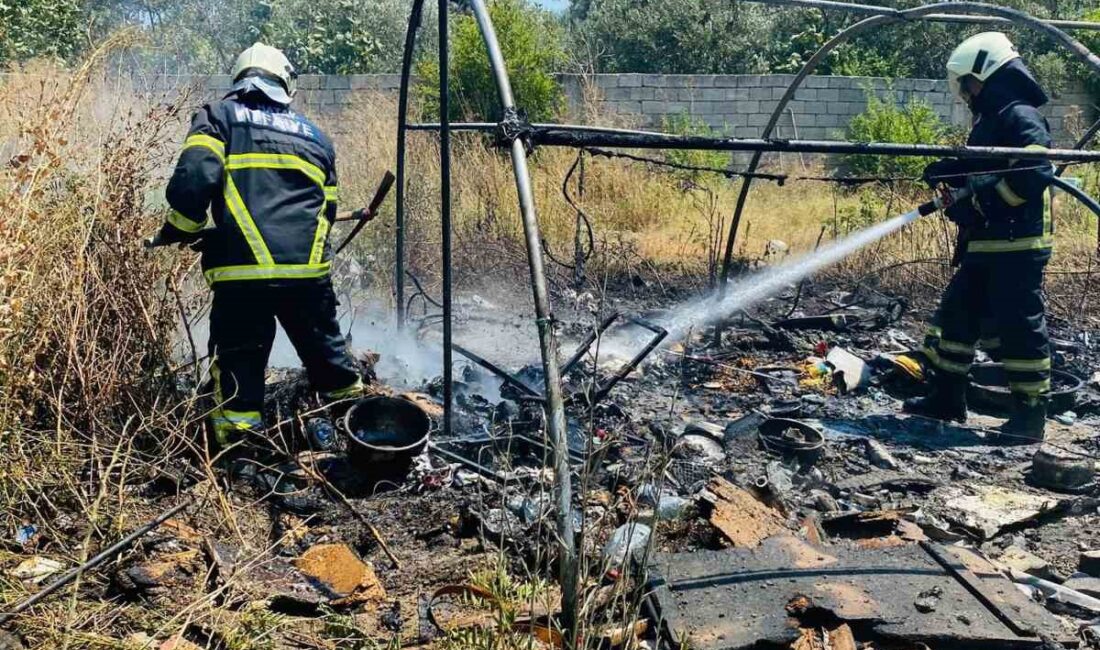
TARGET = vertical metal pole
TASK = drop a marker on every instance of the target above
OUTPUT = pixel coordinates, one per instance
(402, 123)
(445, 210)
(555, 407)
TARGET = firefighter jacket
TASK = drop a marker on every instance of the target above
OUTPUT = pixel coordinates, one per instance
(1013, 212)
(268, 178)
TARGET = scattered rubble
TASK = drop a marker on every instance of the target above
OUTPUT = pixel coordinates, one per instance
(766, 475)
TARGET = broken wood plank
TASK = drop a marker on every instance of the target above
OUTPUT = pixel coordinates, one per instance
(742, 519)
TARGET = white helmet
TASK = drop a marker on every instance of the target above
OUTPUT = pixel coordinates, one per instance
(270, 60)
(979, 56)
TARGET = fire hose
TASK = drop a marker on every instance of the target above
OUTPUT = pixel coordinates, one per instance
(361, 217)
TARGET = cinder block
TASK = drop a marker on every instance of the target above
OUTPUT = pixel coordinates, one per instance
(828, 95)
(713, 94)
(630, 80)
(704, 81)
(686, 94)
(924, 85)
(748, 81)
(653, 80)
(616, 93)
(725, 81)
(710, 108)
(677, 108)
(826, 120)
(758, 119)
(840, 82)
(736, 93)
(641, 93)
(816, 81)
(807, 94)
(342, 97)
(850, 95)
(337, 82)
(837, 108)
(747, 106)
(800, 121)
(803, 107)
(360, 81)
(219, 82)
(714, 121)
(655, 107)
(628, 107)
(677, 80)
(760, 93)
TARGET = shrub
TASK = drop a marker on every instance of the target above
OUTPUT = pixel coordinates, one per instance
(531, 42)
(886, 121)
(685, 124)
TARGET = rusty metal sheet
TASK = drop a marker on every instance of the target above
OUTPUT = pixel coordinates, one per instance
(739, 598)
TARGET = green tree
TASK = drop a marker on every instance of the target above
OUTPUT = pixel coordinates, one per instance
(337, 36)
(39, 28)
(676, 36)
(532, 44)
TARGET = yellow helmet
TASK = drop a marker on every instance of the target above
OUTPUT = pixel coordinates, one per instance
(979, 56)
(269, 60)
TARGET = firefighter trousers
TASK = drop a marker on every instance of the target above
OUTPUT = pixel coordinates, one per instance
(242, 330)
(995, 300)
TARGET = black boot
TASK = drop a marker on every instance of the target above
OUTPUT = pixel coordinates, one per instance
(1027, 424)
(946, 399)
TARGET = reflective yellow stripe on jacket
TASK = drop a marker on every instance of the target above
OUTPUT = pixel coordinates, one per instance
(266, 268)
(266, 272)
(207, 142)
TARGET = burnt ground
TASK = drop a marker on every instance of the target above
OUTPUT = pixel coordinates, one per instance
(677, 444)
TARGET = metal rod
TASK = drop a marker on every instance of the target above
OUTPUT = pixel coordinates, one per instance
(445, 213)
(459, 458)
(402, 125)
(100, 558)
(456, 126)
(555, 403)
(660, 334)
(508, 378)
(945, 18)
(1086, 138)
(578, 135)
(587, 343)
(562, 136)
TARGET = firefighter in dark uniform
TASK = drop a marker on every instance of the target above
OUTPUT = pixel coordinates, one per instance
(995, 297)
(267, 176)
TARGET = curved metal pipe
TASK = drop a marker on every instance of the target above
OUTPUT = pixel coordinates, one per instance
(415, 14)
(554, 405)
(946, 18)
(886, 16)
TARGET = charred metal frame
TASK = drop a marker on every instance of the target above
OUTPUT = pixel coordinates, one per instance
(515, 134)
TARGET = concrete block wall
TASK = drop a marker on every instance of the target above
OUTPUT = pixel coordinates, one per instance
(735, 105)
(316, 93)
(740, 105)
